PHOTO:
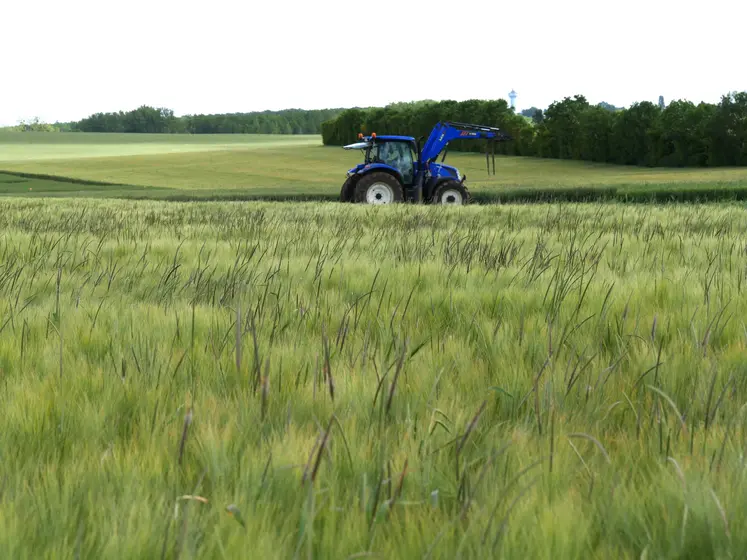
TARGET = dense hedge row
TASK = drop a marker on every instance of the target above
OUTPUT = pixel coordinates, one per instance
(417, 119)
(682, 134)
(160, 120)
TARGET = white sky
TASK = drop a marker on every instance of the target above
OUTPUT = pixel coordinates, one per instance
(63, 60)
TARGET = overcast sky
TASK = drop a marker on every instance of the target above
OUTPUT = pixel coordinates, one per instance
(65, 60)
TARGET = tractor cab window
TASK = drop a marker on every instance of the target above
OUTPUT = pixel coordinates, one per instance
(397, 154)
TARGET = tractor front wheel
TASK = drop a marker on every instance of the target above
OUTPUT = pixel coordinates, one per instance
(451, 193)
(347, 190)
(378, 188)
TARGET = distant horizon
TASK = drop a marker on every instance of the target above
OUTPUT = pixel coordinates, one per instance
(519, 107)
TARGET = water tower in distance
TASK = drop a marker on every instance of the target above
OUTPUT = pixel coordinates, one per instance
(512, 97)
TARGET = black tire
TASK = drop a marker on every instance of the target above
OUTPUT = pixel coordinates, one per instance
(348, 189)
(451, 193)
(378, 188)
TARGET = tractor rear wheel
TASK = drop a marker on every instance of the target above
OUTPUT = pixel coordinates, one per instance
(451, 193)
(348, 189)
(378, 188)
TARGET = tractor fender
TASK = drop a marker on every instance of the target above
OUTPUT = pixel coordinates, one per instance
(371, 167)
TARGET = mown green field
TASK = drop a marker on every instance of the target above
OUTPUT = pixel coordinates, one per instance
(279, 167)
(34, 146)
(546, 381)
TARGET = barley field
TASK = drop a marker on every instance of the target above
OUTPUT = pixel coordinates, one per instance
(212, 380)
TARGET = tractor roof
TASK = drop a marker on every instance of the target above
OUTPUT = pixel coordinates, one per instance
(365, 141)
(392, 138)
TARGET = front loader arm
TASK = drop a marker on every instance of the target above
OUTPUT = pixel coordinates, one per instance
(445, 132)
(441, 135)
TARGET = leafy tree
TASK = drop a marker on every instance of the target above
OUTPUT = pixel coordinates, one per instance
(728, 131)
(595, 142)
(634, 134)
(681, 134)
(562, 120)
(35, 125)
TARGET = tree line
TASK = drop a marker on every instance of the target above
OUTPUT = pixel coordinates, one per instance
(146, 119)
(681, 134)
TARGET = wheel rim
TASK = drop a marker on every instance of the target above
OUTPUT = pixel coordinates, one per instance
(451, 196)
(379, 193)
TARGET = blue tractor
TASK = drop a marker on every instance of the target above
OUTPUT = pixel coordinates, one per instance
(396, 169)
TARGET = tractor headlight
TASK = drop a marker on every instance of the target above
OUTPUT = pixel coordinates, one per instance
(459, 175)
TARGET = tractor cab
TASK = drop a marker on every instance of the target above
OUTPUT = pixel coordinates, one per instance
(397, 152)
